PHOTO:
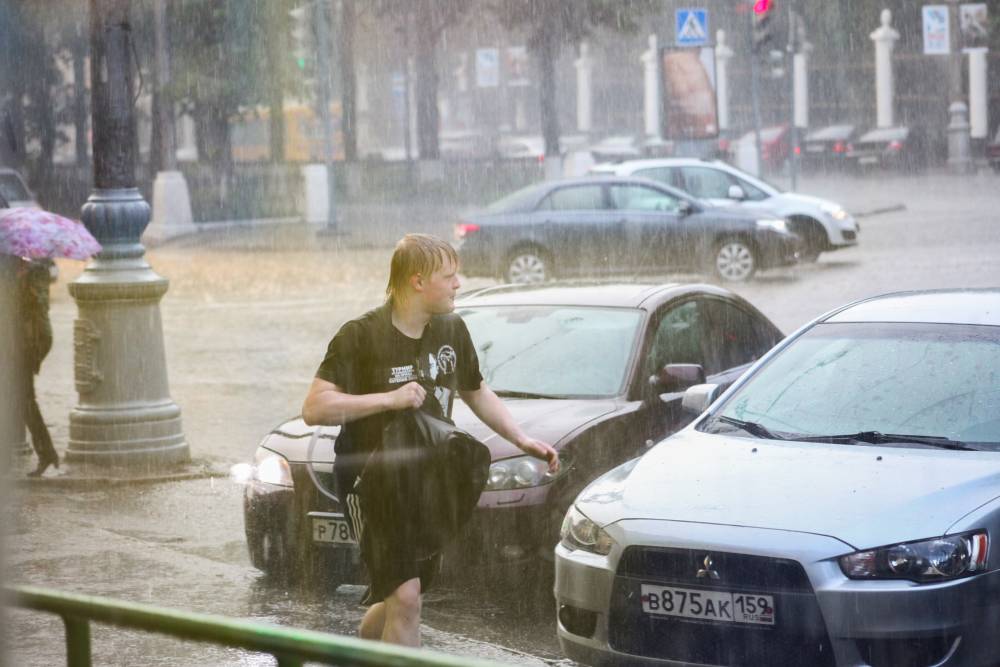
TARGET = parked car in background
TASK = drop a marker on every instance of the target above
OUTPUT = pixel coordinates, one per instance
(836, 506)
(826, 148)
(532, 147)
(993, 151)
(14, 193)
(898, 148)
(822, 225)
(617, 226)
(14, 189)
(774, 146)
(594, 369)
(629, 147)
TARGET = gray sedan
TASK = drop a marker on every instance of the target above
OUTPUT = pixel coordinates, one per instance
(618, 226)
(836, 506)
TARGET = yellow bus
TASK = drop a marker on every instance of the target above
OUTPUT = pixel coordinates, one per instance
(250, 134)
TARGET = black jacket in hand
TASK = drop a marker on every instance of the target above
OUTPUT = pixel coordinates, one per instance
(423, 482)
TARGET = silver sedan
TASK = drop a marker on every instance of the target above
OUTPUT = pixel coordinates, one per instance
(836, 506)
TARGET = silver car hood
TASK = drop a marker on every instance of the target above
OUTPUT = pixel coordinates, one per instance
(862, 495)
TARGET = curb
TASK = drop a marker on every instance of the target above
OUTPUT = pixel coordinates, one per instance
(107, 478)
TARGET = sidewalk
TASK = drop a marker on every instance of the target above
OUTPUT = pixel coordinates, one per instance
(359, 226)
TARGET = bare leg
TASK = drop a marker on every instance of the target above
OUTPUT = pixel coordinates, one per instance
(373, 624)
(402, 615)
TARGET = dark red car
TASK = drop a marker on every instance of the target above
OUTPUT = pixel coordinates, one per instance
(598, 370)
(993, 152)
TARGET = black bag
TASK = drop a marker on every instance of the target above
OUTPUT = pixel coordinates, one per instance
(420, 487)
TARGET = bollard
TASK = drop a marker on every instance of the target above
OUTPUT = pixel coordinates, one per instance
(958, 138)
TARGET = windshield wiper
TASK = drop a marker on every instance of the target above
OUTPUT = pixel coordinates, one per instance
(753, 428)
(879, 438)
(507, 393)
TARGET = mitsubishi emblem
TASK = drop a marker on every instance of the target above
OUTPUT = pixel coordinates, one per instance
(706, 572)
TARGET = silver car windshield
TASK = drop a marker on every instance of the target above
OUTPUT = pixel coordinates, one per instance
(557, 351)
(922, 380)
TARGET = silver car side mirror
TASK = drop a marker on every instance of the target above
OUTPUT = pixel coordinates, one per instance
(697, 398)
(736, 192)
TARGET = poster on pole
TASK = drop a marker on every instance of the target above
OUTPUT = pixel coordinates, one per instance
(937, 38)
(973, 25)
(487, 68)
(690, 109)
(516, 66)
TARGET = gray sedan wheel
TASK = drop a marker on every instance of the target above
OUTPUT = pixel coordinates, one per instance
(528, 266)
(735, 260)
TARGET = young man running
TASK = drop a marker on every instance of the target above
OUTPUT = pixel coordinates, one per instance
(369, 373)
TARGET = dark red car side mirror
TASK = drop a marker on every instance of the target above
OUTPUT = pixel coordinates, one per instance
(677, 377)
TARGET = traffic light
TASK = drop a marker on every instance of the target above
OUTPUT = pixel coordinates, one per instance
(761, 25)
(303, 44)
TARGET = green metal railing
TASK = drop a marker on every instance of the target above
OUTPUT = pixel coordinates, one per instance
(291, 647)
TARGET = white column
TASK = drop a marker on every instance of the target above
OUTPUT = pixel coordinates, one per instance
(363, 108)
(584, 92)
(651, 88)
(979, 121)
(722, 56)
(885, 40)
(800, 72)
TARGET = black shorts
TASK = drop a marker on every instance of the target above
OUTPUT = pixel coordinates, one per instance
(390, 560)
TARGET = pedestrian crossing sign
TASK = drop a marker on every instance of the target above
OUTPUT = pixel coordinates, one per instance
(692, 26)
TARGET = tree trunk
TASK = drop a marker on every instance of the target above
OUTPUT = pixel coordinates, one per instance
(547, 51)
(80, 95)
(348, 76)
(278, 48)
(42, 106)
(428, 120)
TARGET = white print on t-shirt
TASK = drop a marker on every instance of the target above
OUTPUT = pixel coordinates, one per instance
(402, 374)
(432, 367)
(447, 359)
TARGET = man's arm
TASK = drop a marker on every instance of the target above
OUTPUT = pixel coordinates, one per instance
(490, 409)
(327, 404)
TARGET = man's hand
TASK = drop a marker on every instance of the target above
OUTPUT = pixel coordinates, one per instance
(541, 450)
(410, 395)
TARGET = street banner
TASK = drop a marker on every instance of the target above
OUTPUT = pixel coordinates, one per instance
(487, 68)
(689, 104)
(516, 64)
(937, 39)
(973, 25)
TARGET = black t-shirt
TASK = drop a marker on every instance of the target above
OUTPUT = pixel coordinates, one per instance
(369, 355)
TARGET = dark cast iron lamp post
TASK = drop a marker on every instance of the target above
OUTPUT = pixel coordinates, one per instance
(125, 416)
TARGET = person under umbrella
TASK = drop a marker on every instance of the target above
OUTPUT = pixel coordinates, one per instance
(36, 331)
(35, 235)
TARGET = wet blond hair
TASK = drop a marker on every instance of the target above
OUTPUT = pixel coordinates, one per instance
(416, 254)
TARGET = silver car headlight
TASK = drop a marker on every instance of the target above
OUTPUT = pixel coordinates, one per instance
(834, 211)
(579, 532)
(777, 224)
(936, 559)
(522, 472)
(271, 468)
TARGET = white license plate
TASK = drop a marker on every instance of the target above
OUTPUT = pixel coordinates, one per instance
(708, 605)
(868, 159)
(814, 149)
(334, 531)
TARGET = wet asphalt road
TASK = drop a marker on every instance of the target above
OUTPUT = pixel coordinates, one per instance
(246, 322)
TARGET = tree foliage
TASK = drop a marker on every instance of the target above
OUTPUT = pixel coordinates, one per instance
(429, 19)
(550, 24)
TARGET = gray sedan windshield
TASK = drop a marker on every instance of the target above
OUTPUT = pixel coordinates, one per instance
(940, 381)
(561, 351)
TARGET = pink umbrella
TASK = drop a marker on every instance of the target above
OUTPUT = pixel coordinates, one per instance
(34, 233)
